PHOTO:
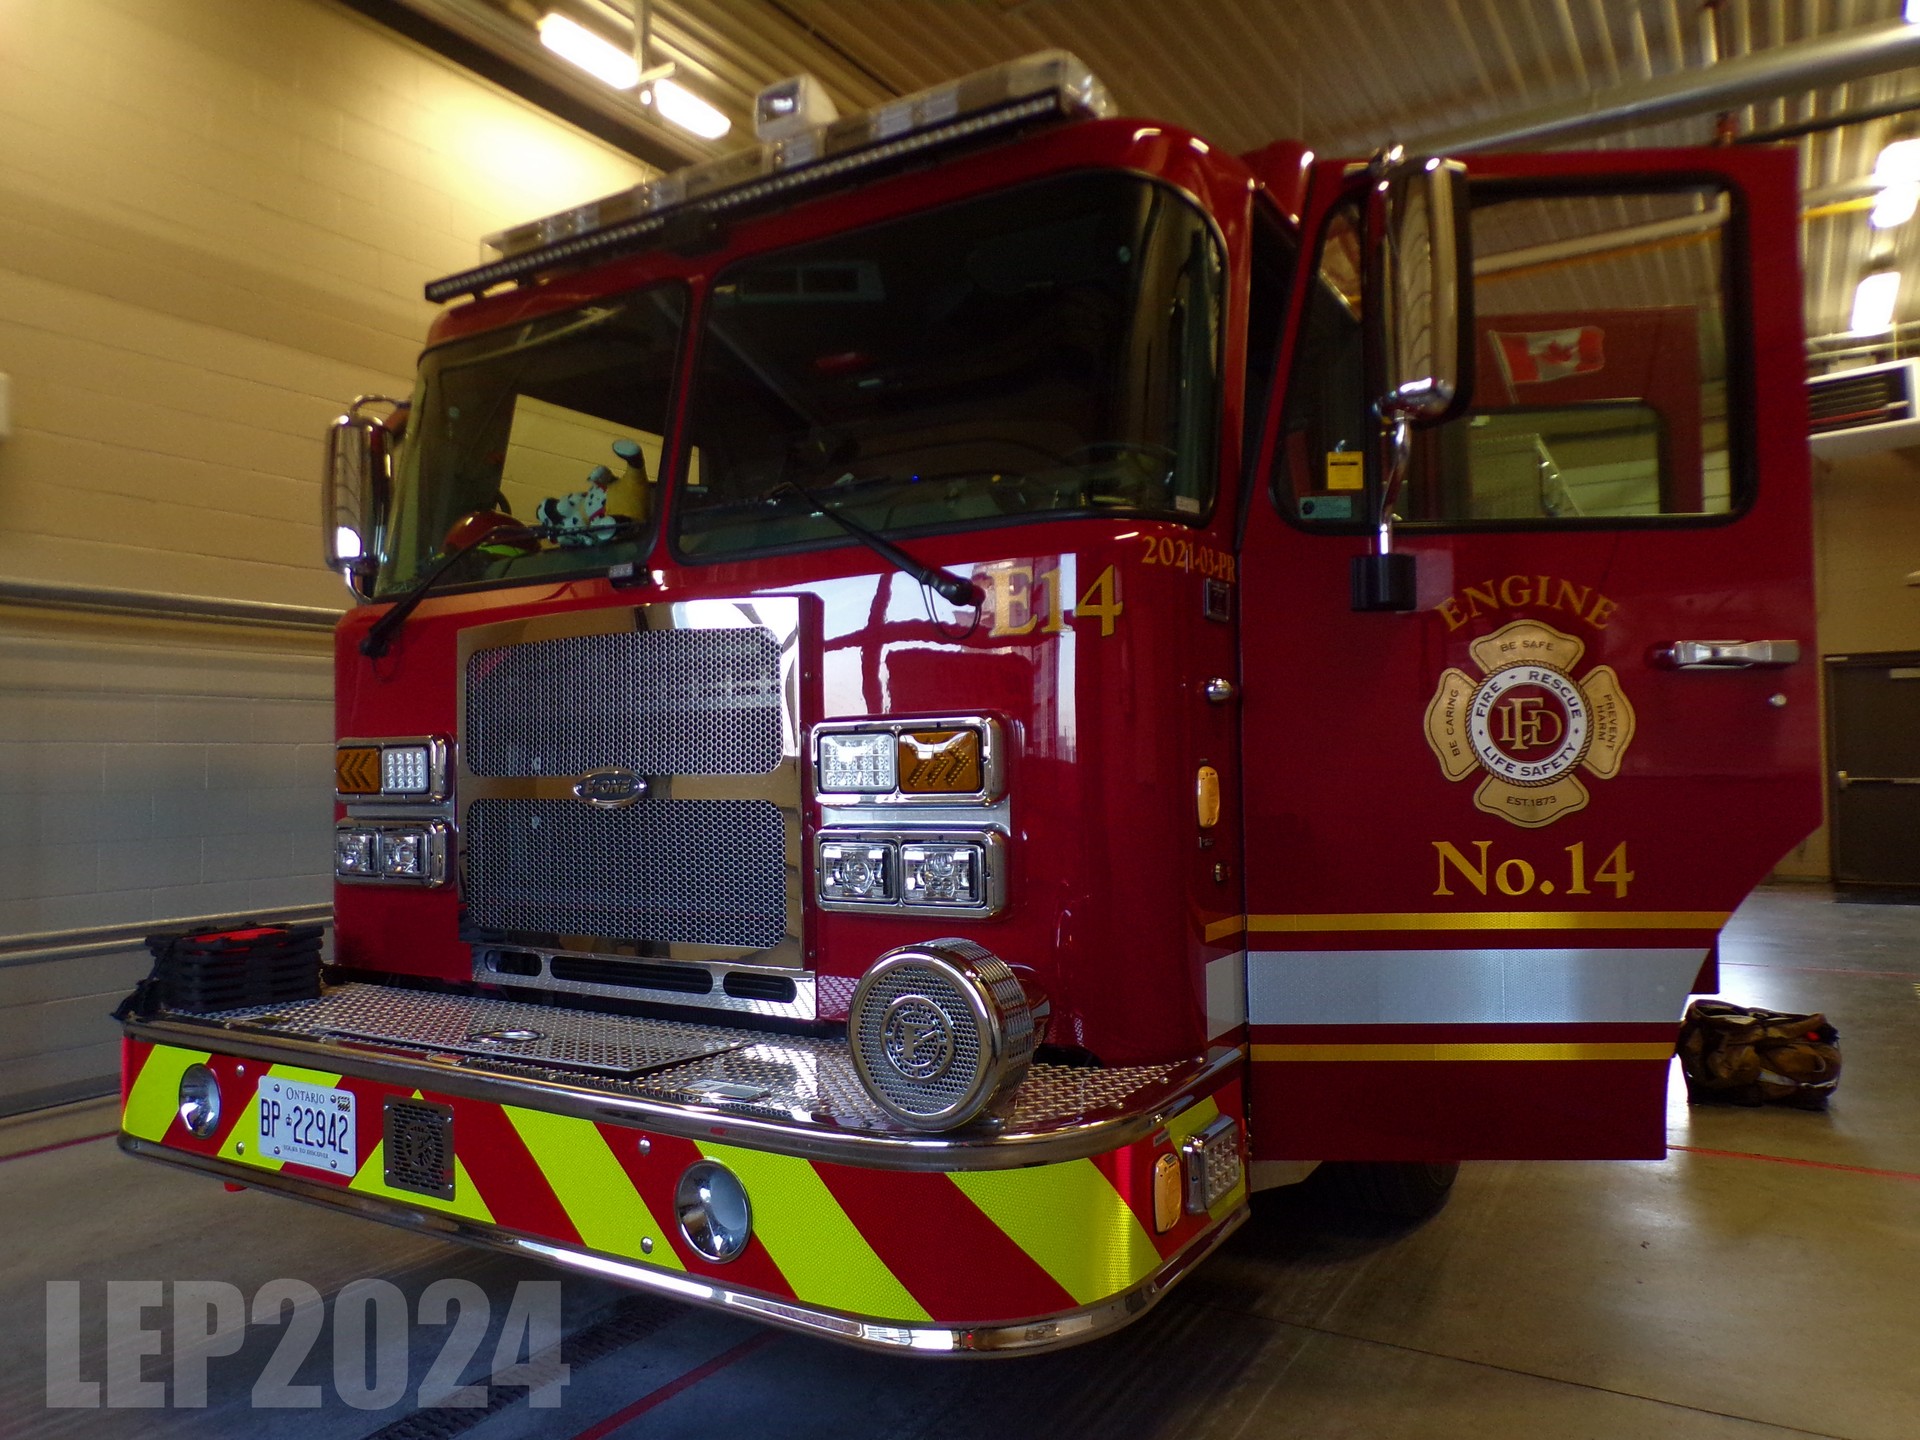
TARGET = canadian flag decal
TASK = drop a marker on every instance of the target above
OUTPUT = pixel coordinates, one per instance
(1530, 357)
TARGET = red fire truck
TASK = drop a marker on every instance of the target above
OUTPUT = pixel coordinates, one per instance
(940, 699)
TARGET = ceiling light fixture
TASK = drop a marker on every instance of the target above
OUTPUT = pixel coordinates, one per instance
(602, 59)
(1873, 302)
(1895, 205)
(674, 103)
(1899, 160)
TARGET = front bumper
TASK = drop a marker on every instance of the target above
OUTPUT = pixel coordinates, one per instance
(1034, 1232)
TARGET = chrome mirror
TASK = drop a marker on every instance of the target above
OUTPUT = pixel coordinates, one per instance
(1421, 298)
(1424, 288)
(354, 489)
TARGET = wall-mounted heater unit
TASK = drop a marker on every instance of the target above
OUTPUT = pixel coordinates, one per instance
(1856, 412)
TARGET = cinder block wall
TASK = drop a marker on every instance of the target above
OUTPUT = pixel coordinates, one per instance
(215, 220)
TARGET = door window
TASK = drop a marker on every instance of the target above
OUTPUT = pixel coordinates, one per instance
(1601, 372)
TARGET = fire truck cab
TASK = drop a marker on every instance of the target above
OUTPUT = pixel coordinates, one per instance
(938, 700)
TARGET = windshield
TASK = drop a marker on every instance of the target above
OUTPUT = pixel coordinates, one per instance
(556, 423)
(1048, 350)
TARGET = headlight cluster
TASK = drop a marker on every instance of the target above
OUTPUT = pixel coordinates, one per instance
(412, 769)
(937, 863)
(908, 762)
(891, 871)
(393, 852)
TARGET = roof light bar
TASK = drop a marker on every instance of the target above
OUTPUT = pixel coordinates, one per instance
(1042, 86)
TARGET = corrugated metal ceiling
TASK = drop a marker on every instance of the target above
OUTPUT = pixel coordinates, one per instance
(1344, 78)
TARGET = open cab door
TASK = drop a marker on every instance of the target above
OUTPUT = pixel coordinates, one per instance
(1530, 697)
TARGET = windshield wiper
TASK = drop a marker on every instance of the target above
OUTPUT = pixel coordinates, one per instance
(950, 588)
(375, 642)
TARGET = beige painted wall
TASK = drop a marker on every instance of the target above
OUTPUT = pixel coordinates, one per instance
(215, 220)
(1867, 541)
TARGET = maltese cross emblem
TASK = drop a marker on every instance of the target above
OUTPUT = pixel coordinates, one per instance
(1528, 725)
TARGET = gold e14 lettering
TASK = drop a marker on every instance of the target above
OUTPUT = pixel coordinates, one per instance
(1020, 601)
(1485, 874)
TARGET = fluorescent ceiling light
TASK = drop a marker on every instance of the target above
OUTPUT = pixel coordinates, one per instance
(601, 59)
(1873, 302)
(1896, 204)
(680, 106)
(1898, 162)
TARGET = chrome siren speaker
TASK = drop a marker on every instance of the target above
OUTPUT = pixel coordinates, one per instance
(940, 1032)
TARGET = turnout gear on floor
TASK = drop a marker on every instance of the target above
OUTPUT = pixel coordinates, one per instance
(1743, 1055)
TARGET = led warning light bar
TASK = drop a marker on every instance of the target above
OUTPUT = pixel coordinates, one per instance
(1051, 84)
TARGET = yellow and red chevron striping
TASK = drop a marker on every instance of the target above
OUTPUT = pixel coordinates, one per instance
(962, 1247)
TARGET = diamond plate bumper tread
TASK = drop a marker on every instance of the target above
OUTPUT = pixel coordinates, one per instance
(470, 1025)
(804, 1079)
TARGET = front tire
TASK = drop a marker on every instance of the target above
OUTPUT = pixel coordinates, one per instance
(1390, 1190)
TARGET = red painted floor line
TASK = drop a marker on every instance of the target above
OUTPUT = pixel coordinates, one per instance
(673, 1387)
(1823, 970)
(58, 1145)
(1790, 1160)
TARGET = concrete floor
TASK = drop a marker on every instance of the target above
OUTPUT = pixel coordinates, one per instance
(1763, 1280)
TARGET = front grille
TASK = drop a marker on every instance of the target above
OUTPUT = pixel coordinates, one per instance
(417, 1143)
(658, 702)
(688, 872)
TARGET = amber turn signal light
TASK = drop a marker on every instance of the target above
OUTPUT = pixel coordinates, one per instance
(356, 770)
(940, 762)
(1206, 797)
(1168, 1194)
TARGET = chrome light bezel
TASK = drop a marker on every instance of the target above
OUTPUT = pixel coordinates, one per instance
(992, 845)
(200, 1111)
(437, 841)
(992, 761)
(1208, 1181)
(439, 767)
(693, 1213)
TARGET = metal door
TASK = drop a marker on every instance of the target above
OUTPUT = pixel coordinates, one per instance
(1490, 841)
(1873, 741)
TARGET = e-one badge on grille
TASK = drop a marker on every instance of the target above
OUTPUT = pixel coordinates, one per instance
(610, 788)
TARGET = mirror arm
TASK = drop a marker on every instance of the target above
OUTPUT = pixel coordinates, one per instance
(1399, 450)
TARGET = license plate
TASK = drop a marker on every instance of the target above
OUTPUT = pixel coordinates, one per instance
(307, 1125)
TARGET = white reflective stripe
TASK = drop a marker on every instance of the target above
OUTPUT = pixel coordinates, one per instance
(1226, 994)
(1469, 987)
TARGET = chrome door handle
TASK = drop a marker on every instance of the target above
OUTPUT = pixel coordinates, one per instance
(1727, 654)
(1845, 779)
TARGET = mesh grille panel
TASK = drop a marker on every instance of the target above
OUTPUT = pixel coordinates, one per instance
(659, 702)
(688, 872)
(920, 1095)
(417, 1141)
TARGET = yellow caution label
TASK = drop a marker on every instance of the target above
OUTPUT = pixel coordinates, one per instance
(1346, 470)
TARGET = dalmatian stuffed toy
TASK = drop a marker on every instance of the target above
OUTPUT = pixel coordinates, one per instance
(581, 518)
(593, 515)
